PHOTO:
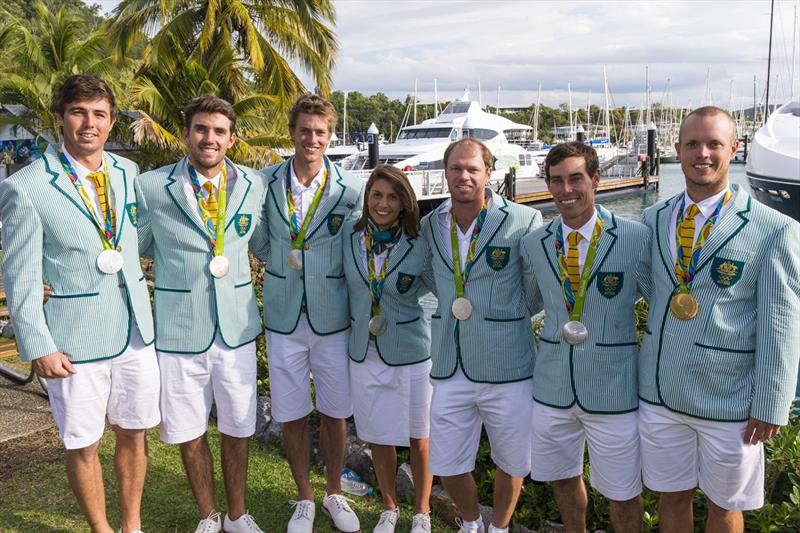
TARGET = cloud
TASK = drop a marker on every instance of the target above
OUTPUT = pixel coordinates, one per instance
(385, 46)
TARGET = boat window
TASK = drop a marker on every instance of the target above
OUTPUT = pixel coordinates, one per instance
(426, 133)
(518, 135)
(480, 133)
(456, 107)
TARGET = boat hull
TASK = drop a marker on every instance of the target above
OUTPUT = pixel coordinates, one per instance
(781, 195)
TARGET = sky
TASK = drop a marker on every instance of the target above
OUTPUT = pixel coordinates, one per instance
(680, 46)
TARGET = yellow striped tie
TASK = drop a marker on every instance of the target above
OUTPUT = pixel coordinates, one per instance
(573, 263)
(211, 202)
(99, 181)
(686, 232)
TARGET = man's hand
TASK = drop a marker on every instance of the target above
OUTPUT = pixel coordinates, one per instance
(757, 431)
(48, 291)
(54, 365)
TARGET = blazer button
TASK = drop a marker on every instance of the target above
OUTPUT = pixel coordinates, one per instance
(303, 308)
(121, 285)
(307, 246)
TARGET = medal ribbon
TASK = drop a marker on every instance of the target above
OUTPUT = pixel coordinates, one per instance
(375, 281)
(214, 225)
(574, 300)
(297, 231)
(686, 275)
(461, 278)
(105, 227)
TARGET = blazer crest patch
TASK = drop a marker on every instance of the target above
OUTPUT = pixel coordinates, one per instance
(404, 282)
(131, 209)
(610, 283)
(726, 272)
(335, 223)
(497, 256)
(242, 223)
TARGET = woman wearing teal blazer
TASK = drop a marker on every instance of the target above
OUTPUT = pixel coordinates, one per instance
(389, 347)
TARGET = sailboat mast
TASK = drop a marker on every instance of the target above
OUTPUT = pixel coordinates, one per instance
(606, 107)
(769, 56)
(344, 121)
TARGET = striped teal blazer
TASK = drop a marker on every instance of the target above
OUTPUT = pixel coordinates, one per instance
(319, 289)
(49, 236)
(738, 358)
(191, 306)
(600, 374)
(495, 344)
(408, 338)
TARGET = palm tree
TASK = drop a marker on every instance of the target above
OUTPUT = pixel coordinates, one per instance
(266, 35)
(40, 54)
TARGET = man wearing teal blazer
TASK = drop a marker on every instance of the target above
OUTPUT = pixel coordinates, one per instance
(92, 341)
(197, 219)
(305, 304)
(719, 360)
(586, 260)
(482, 345)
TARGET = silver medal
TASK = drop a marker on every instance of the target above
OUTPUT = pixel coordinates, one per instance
(462, 308)
(574, 332)
(110, 261)
(378, 325)
(219, 266)
(295, 259)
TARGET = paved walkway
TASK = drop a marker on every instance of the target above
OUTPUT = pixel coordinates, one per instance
(23, 410)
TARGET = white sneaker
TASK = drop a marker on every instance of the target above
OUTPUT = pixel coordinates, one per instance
(344, 519)
(493, 529)
(209, 524)
(387, 522)
(302, 520)
(244, 524)
(120, 529)
(421, 523)
(462, 528)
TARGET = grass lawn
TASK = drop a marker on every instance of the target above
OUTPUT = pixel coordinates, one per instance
(35, 496)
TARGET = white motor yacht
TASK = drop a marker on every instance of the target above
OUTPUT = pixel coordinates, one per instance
(773, 164)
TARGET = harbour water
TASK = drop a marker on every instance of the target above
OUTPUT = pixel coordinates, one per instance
(631, 203)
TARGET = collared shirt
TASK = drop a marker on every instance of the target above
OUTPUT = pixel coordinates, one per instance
(463, 237)
(706, 209)
(88, 186)
(586, 232)
(304, 196)
(201, 179)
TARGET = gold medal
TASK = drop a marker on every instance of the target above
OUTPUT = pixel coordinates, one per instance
(684, 306)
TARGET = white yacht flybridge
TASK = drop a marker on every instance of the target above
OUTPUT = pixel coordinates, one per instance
(421, 147)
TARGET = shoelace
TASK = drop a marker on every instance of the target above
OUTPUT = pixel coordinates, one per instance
(208, 524)
(422, 520)
(341, 502)
(301, 508)
(461, 528)
(250, 522)
(387, 516)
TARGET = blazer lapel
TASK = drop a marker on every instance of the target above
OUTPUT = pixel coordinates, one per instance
(549, 247)
(495, 217)
(663, 222)
(399, 252)
(441, 246)
(63, 184)
(241, 187)
(358, 257)
(119, 185)
(336, 190)
(277, 190)
(176, 192)
(607, 240)
(727, 226)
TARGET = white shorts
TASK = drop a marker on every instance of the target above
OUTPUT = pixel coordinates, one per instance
(190, 383)
(390, 403)
(681, 452)
(557, 444)
(123, 389)
(459, 407)
(294, 358)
